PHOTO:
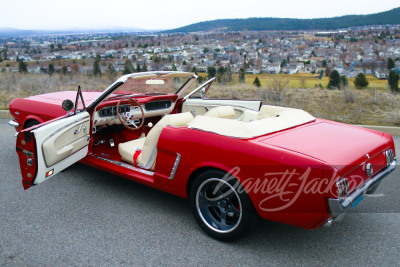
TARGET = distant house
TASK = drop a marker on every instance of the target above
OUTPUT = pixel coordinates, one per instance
(273, 68)
(289, 69)
(381, 74)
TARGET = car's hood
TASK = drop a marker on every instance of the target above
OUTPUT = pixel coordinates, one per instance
(58, 97)
(336, 144)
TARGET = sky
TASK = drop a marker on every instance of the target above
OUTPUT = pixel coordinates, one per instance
(168, 14)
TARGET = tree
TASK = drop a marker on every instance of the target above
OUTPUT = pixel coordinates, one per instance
(138, 69)
(64, 70)
(390, 63)
(360, 81)
(257, 82)
(96, 68)
(22, 67)
(5, 56)
(128, 67)
(174, 67)
(334, 81)
(242, 75)
(144, 68)
(343, 81)
(51, 69)
(283, 63)
(393, 81)
(111, 70)
(324, 63)
(212, 71)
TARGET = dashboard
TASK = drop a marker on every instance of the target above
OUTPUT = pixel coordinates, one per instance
(107, 115)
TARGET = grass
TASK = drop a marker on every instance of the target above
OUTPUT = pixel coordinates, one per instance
(349, 106)
(308, 80)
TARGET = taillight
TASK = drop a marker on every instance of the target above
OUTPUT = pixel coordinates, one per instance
(389, 156)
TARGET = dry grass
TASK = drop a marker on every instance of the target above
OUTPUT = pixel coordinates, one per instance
(348, 106)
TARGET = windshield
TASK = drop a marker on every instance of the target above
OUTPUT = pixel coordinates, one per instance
(154, 85)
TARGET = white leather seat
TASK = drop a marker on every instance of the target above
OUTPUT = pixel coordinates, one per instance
(224, 112)
(148, 144)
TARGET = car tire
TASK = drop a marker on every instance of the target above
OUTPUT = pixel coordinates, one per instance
(31, 123)
(221, 206)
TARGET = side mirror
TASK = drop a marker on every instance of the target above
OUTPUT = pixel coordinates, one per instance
(67, 105)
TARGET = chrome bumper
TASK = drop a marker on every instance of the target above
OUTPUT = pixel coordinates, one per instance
(13, 123)
(339, 208)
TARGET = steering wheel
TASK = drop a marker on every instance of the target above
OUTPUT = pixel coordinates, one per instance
(126, 118)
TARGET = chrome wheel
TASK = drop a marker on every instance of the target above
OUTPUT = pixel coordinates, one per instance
(219, 205)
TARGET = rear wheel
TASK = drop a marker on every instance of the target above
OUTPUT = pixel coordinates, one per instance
(220, 206)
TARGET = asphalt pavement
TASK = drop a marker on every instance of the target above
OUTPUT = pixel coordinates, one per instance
(84, 216)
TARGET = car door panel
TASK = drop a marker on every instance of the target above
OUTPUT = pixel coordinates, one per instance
(51, 147)
(66, 142)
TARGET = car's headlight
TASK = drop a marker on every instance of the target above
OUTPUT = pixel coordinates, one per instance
(389, 156)
(342, 188)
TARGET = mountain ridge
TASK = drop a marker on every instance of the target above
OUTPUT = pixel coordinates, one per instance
(291, 24)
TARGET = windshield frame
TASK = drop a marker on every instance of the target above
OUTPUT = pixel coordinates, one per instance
(141, 75)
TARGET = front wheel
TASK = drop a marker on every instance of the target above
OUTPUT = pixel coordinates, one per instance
(221, 206)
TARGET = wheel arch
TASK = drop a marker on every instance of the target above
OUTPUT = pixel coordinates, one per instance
(31, 118)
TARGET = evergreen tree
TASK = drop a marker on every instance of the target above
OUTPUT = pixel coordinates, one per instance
(361, 81)
(111, 70)
(96, 67)
(334, 81)
(390, 63)
(22, 67)
(393, 81)
(128, 67)
(324, 63)
(138, 69)
(242, 75)
(212, 71)
(257, 82)
(144, 67)
(51, 69)
(174, 67)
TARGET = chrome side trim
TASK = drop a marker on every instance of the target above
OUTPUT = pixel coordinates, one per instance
(125, 165)
(338, 208)
(175, 167)
(13, 123)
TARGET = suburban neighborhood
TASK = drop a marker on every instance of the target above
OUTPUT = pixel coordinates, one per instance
(366, 49)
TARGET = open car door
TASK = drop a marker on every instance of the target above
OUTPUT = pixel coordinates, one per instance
(48, 148)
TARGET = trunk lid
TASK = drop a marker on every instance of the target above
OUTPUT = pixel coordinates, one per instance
(344, 147)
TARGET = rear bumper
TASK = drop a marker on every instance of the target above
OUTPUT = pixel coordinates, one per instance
(339, 208)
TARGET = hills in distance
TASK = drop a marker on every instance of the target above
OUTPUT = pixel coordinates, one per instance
(252, 24)
(286, 24)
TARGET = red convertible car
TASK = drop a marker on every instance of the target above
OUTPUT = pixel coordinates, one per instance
(235, 160)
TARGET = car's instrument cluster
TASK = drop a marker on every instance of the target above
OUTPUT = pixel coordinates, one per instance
(112, 111)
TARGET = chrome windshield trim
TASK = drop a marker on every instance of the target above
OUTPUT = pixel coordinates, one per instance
(175, 167)
(338, 208)
(125, 165)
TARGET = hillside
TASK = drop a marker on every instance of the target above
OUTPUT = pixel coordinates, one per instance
(287, 24)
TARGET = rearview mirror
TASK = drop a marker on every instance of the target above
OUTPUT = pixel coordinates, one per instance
(155, 82)
(67, 105)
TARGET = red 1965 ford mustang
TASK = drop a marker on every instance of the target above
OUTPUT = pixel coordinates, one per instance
(235, 160)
